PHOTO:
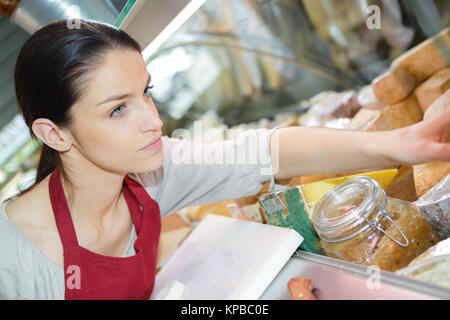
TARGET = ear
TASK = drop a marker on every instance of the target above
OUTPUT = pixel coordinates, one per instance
(50, 134)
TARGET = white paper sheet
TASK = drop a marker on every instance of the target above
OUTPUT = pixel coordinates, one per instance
(226, 258)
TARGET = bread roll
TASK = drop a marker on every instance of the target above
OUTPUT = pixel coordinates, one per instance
(402, 186)
(394, 85)
(404, 113)
(370, 120)
(433, 88)
(426, 58)
(427, 175)
(439, 106)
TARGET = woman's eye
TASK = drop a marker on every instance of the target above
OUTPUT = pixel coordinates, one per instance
(147, 91)
(117, 111)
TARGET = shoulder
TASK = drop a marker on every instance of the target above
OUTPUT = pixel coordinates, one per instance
(30, 217)
(24, 272)
(24, 267)
(29, 211)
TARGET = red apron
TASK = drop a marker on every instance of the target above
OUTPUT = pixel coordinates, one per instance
(89, 275)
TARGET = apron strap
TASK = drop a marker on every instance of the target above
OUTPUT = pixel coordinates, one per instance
(61, 211)
(138, 191)
(133, 207)
(141, 200)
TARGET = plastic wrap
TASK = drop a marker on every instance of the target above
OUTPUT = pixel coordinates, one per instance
(367, 98)
(432, 266)
(435, 206)
(331, 109)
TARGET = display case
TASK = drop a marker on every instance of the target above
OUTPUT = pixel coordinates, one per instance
(340, 280)
(248, 60)
(260, 63)
(249, 64)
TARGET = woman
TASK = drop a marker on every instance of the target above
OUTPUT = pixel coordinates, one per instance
(89, 226)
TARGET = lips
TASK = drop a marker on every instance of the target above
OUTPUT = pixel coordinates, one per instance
(152, 144)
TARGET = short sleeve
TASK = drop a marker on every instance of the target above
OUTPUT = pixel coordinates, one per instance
(197, 173)
(25, 273)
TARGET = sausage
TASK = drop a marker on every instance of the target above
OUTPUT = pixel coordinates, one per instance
(301, 288)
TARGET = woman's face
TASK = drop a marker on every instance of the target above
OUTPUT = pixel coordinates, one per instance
(116, 117)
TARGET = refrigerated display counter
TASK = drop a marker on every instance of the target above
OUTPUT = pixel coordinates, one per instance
(340, 280)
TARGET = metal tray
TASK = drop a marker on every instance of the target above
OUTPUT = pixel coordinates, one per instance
(341, 280)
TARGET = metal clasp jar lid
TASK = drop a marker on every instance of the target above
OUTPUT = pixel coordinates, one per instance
(352, 207)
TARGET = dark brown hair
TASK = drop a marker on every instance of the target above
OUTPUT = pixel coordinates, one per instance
(52, 70)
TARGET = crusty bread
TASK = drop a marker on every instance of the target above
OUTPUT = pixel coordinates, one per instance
(402, 186)
(433, 88)
(426, 58)
(404, 113)
(439, 106)
(429, 174)
(394, 85)
(370, 120)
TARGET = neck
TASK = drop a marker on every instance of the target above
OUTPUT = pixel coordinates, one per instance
(92, 194)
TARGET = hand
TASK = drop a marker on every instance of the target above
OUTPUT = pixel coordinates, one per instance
(426, 141)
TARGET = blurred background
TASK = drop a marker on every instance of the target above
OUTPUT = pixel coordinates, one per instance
(232, 64)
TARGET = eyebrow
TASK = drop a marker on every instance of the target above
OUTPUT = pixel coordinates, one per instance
(122, 96)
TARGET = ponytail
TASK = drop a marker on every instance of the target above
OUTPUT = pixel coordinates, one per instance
(48, 162)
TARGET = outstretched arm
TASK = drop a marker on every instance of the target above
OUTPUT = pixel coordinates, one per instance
(303, 151)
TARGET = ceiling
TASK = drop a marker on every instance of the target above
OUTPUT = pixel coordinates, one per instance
(12, 38)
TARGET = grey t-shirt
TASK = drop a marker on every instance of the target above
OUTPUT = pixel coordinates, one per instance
(193, 173)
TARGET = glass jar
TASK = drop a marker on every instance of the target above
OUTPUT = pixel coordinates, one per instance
(357, 222)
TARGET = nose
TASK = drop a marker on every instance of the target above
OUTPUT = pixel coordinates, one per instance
(150, 118)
